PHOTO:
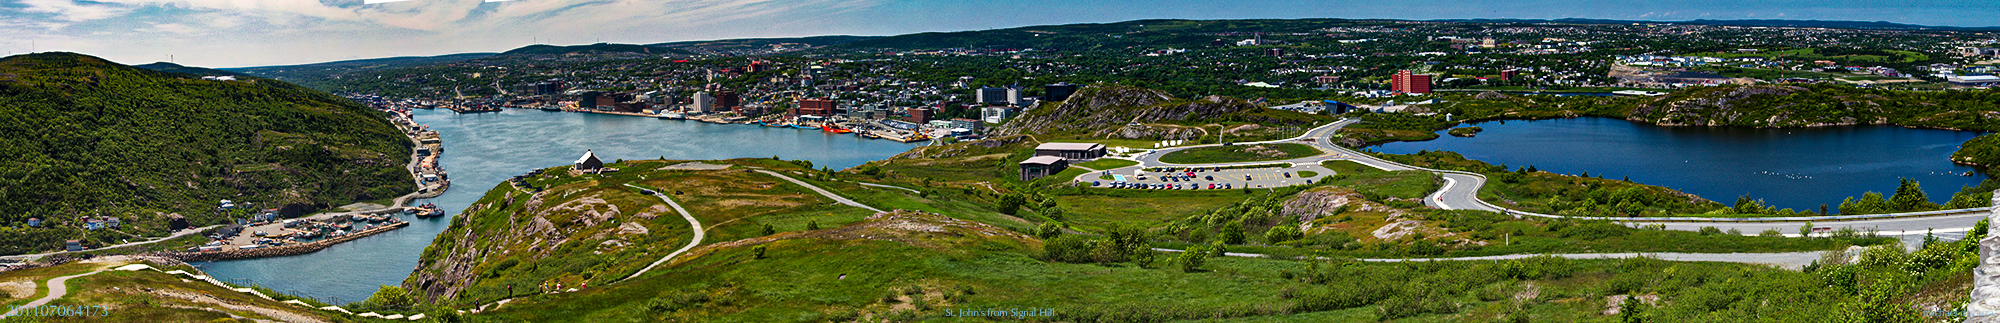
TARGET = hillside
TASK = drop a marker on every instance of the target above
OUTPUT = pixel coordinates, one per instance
(178, 68)
(1116, 111)
(82, 136)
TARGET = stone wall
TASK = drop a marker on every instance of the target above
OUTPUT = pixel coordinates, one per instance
(296, 249)
(1985, 305)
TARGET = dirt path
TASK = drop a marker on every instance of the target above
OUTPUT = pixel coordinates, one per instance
(692, 223)
(56, 290)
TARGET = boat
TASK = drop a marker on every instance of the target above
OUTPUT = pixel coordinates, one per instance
(800, 126)
(870, 135)
(829, 127)
(551, 108)
(673, 116)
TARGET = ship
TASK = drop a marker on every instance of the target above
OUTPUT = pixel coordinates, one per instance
(869, 135)
(829, 127)
(672, 116)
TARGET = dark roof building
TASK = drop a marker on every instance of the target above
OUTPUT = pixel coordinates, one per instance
(1042, 166)
(1071, 150)
(589, 163)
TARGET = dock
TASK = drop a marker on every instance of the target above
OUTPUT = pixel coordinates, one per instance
(285, 250)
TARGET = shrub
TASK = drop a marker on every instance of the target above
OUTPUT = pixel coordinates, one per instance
(1282, 233)
(768, 230)
(1771, 233)
(812, 225)
(1709, 231)
(1192, 259)
(757, 252)
(391, 298)
(1068, 248)
(1232, 233)
(1883, 255)
(1048, 230)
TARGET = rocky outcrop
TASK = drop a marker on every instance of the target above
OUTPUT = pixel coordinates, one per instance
(1115, 111)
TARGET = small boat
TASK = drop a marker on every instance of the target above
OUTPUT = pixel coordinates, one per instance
(775, 125)
(829, 127)
(551, 108)
(673, 116)
(800, 126)
(870, 135)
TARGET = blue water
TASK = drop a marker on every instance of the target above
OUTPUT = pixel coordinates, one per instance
(1798, 168)
(481, 150)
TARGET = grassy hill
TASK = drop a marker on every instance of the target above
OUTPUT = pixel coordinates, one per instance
(940, 260)
(81, 136)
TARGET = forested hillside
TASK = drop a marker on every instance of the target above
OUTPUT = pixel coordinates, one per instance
(81, 136)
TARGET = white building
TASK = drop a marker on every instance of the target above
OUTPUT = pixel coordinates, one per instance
(703, 102)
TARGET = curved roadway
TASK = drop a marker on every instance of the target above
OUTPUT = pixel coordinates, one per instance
(1460, 192)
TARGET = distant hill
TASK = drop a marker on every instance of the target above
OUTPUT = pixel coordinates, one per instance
(1152, 32)
(761, 42)
(87, 137)
(598, 47)
(386, 61)
(178, 68)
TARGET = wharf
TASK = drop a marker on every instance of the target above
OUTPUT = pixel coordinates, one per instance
(285, 250)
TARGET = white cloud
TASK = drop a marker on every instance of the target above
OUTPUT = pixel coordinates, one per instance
(71, 11)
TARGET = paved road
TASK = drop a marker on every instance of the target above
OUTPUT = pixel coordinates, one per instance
(1787, 260)
(888, 186)
(699, 233)
(56, 290)
(836, 198)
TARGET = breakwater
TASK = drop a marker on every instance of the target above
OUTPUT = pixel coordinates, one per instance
(287, 250)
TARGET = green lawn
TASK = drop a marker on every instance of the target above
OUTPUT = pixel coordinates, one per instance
(1240, 153)
(1106, 163)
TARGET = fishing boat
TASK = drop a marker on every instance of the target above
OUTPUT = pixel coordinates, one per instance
(829, 127)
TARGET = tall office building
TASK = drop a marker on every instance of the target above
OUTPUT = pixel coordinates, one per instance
(726, 100)
(991, 95)
(703, 102)
(1406, 82)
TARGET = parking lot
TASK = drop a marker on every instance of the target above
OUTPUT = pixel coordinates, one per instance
(1229, 178)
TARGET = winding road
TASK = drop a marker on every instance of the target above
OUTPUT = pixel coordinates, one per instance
(836, 198)
(1787, 260)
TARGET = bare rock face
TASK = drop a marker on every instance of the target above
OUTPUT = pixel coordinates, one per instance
(1985, 305)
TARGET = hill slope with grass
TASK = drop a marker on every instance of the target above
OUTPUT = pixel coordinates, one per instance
(81, 136)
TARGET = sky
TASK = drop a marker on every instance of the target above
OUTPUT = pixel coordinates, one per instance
(242, 33)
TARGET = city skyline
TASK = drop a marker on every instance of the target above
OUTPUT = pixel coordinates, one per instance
(242, 33)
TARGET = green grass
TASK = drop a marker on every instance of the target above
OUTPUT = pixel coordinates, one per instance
(1308, 174)
(1106, 163)
(1240, 153)
(1103, 207)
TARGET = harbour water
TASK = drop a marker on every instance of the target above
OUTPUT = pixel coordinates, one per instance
(1798, 168)
(483, 149)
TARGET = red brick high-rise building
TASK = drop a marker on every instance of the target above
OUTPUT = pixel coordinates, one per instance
(918, 115)
(727, 100)
(1406, 82)
(818, 107)
(1507, 75)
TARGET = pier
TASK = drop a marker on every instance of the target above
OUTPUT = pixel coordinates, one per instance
(285, 250)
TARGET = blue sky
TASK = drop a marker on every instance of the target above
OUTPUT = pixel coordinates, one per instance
(237, 33)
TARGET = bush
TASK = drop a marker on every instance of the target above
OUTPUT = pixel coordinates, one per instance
(1709, 231)
(1282, 233)
(1770, 233)
(391, 298)
(1192, 259)
(768, 230)
(1232, 233)
(1068, 248)
(757, 252)
(1048, 230)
